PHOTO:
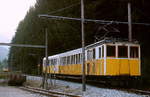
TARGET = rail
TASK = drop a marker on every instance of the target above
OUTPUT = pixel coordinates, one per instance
(140, 91)
(48, 92)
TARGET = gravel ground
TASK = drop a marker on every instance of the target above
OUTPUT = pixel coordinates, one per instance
(7, 91)
(76, 88)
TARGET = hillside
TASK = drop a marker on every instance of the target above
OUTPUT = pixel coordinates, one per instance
(64, 35)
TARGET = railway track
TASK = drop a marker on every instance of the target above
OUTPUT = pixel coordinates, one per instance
(102, 84)
(48, 92)
(140, 91)
(132, 90)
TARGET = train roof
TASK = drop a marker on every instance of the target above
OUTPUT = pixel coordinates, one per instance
(76, 51)
(53, 57)
(111, 40)
(101, 42)
(68, 53)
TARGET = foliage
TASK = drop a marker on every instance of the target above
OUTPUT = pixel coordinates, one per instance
(64, 35)
(3, 64)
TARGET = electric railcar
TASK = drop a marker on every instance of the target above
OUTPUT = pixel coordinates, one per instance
(108, 57)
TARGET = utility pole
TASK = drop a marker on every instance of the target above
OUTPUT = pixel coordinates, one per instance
(39, 65)
(83, 47)
(129, 22)
(46, 55)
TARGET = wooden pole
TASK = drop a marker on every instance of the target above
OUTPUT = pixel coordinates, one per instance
(83, 46)
(129, 22)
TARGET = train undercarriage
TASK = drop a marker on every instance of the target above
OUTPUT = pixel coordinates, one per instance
(109, 81)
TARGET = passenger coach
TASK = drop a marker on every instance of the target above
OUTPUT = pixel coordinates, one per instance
(108, 57)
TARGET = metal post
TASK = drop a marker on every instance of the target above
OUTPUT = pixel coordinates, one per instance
(129, 22)
(46, 55)
(38, 65)
(83, 47)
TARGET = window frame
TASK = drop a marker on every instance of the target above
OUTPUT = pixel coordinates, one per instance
(138, 53)
(126, 51)
(100, 52)
(94, 53)
(114, 56)
(103, 51)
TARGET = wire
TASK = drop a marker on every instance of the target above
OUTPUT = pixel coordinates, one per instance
(89, 20)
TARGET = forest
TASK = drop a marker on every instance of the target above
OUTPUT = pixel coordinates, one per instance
(65, 35)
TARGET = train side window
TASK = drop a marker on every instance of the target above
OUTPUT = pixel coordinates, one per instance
(122, 51)
(64, 60)
(88, 54)
(44, 63)
(51, 61)
(55, 61)
(79, 58)
(100, 52)
(134, 52)
(72, 59)
(61, 61)
(111, 51)
(76, 59)
(67, 60)
(91, 54)
(94, 53)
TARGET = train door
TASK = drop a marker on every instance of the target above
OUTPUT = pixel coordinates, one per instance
(91, 54)
(134, 60)
(124, 65)
(111, 63)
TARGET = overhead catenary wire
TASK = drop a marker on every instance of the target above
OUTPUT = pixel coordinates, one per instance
(90, 20)
(49, 15)
(23, 45)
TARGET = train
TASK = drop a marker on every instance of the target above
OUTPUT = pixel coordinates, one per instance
(109, 58)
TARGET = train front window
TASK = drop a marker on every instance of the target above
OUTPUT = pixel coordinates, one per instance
(134, 52)
(111, 51)
(122, 51)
